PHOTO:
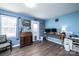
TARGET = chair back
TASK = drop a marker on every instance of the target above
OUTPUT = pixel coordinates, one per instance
(3, 39)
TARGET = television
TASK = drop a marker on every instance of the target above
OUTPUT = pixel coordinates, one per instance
(47, 30)
(54, 30)
(51, 30)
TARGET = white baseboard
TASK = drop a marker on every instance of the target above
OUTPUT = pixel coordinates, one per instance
(16, 45)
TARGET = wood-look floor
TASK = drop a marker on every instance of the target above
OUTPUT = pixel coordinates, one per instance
(45, 48)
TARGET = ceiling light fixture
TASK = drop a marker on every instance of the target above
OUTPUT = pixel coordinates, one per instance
(30, 5)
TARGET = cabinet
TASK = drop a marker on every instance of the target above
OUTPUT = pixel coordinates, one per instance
(25, 39)
(67, 44)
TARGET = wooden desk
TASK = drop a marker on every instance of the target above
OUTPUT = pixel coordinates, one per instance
(25, 39)
(60, 35)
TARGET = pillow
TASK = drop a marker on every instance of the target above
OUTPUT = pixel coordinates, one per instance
(3, 39)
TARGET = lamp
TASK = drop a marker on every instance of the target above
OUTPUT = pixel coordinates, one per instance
(64, 28)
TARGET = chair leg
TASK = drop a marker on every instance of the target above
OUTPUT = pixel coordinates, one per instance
(10, 47)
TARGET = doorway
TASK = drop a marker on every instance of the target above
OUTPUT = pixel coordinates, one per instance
(35, 30)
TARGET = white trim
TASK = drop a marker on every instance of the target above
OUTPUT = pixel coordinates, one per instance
(16, 45)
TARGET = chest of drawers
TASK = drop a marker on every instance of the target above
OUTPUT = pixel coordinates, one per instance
(25, 39)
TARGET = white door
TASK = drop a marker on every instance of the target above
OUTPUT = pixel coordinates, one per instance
(35, 30)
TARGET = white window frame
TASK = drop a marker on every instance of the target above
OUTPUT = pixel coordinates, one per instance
(8, 25)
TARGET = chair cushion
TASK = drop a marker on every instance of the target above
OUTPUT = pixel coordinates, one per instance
(4, 45)
(3, 39)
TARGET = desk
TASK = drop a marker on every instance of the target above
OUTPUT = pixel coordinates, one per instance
(60, 35)
(72, 43)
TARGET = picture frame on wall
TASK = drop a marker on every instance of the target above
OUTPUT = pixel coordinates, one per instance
(26, 22)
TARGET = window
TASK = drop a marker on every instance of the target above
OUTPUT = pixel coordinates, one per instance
(8, 25)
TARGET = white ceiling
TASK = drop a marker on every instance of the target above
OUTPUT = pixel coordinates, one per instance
(43, 10)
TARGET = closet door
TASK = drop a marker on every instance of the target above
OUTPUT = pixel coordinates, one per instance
(35, 30)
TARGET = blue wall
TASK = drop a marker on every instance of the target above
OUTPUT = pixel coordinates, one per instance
(70, 20)
(9, 13)
(0, 24)
(42, 27)
(23, 16)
